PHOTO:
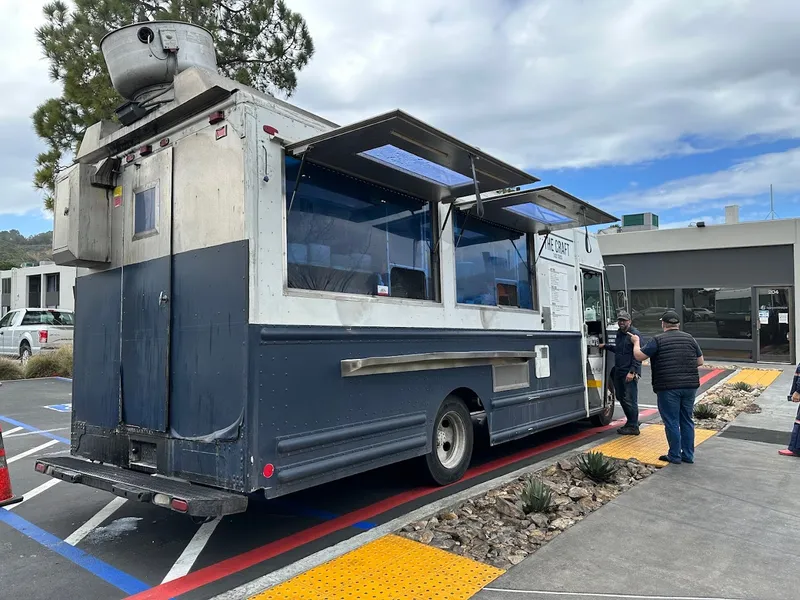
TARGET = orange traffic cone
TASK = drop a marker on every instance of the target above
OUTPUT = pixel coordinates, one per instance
(6, 495)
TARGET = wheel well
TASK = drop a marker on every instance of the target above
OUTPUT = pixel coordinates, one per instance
(470, 398)
(24, 343)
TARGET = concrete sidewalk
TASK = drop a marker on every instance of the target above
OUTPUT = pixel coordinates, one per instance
(727, 527)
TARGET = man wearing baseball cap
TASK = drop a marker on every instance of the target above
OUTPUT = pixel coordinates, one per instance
(674, 357)
(627, 371)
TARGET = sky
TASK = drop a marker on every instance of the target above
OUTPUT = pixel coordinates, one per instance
(677, 107)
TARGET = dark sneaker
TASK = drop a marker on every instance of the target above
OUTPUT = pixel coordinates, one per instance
(628, 430)
(687, 461)
(666, 458)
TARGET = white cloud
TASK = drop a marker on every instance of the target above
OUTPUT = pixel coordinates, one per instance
(738, 185)
(563, 83)
(542, 83)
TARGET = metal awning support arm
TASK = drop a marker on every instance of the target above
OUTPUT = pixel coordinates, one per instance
(478, 199)
(297, 181)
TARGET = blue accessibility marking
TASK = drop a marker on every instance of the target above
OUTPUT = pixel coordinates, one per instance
(62, 408)
(128, 584)
(27, 427)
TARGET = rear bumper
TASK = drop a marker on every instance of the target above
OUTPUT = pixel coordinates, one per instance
(177, 495)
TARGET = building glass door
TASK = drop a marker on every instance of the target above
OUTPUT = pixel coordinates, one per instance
(775, 325)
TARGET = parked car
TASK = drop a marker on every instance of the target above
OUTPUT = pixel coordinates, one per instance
(28, 331)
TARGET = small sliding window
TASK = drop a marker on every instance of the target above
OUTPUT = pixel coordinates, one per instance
(492, 264)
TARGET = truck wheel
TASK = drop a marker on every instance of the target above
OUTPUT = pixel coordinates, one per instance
(24, 353)
(604, 418)
(451, 448)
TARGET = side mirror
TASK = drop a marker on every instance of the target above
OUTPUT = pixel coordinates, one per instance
(622, 301)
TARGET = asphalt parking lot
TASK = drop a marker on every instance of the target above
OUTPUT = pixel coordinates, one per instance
(72, 541)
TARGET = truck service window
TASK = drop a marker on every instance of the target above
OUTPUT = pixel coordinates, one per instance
(145, 211)
(349, 236)
(491, 264)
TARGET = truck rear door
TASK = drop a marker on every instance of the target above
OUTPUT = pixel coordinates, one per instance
(146, 289)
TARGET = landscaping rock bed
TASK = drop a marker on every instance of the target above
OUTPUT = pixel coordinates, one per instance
(495, 529)
(727, 402)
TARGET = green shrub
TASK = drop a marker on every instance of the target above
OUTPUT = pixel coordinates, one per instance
(725, 401)
(536, 497)
(45, 364)
(596, 466)
(704, 411)
(10, 370)
(743, 386)
(64, 356)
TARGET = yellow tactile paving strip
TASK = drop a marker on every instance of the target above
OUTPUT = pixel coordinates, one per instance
(391, 567)
(647, 446)
(755, 376)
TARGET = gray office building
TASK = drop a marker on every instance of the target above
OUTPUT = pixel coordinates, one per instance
(732, 284)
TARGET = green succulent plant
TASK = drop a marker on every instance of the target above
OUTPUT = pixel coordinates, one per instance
(597, 466)
(536, 497)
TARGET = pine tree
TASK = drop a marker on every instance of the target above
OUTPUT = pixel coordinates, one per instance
(260, 43)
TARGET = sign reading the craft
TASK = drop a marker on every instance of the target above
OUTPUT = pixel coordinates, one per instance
(557, 249)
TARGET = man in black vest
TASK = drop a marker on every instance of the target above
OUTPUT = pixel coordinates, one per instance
(627, 371)
(674, 356)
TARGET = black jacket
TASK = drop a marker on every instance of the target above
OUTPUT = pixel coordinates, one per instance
(674, 363)
(622, 348)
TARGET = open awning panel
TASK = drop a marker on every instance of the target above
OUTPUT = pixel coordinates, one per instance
(541, 209)
(403, 153)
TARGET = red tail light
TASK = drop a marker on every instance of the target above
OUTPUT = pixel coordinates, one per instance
(43, 336)
(179, 505)
(40, 467)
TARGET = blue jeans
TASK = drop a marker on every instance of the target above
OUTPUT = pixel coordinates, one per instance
(628, 396)
(676, 407)
(794, 442)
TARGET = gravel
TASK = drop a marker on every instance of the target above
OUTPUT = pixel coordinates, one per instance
(495, 529)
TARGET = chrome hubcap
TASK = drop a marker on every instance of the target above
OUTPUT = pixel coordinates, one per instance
(451, 439)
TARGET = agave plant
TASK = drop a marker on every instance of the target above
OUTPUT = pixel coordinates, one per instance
(598, 467)
(536, 497)
(743, 386)
(725, 401)
(704, 411)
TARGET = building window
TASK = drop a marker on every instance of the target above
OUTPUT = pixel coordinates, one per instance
(6, 285)
(52, 289)
(53, 282)
(718, 313)
(35, 291)
(349, 236)
(491, 264)
(647, 307)
(145, 206)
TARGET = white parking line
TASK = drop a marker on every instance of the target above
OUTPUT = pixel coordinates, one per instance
(84, 530)
(35, 492)
(186, 560)
(31, 451)
(10, 431)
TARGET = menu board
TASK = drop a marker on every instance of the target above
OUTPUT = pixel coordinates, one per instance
(560, 294)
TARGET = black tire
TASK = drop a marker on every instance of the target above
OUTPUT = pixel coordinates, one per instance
(24, 352)
(604, 418)
(449, 459)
